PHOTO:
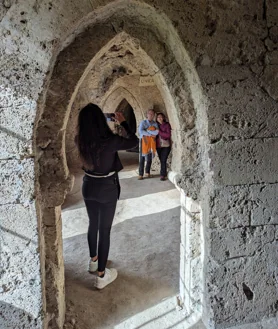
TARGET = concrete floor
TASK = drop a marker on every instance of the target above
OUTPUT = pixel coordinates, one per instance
(145, 250)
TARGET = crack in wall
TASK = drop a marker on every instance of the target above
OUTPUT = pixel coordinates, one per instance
(251, 184)
(231, 139)
(264, 10)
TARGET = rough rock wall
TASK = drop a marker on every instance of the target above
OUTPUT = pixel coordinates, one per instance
(116, 76)
(242, 231)
(234, 48)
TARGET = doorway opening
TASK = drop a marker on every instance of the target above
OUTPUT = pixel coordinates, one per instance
(128, 113)
(130, 117)
(161, 58)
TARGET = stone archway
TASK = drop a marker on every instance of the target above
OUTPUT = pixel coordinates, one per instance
(178, 83)
(128, 112)
(116, 96)
(130, 117)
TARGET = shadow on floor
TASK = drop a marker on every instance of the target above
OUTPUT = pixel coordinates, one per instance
(145, 250)
(130, 188)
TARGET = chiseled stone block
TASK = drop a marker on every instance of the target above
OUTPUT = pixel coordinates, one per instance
(242, 162)
(240, 290)
(240, 242)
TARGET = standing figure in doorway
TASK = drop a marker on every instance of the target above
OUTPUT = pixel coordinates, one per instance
(98, 149)
(148, 130)
(163, 143)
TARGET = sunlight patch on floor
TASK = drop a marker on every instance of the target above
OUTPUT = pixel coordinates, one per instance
(128, 174)
(164, 315)
(75, 221)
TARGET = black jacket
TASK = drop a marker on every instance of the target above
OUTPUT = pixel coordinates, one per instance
(109, 160)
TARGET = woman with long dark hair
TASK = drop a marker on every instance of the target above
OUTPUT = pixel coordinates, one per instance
(98, 148)
(163, 143)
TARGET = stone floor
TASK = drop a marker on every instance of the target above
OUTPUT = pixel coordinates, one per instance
(145, 250)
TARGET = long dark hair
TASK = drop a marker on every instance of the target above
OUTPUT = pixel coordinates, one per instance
(93, 133)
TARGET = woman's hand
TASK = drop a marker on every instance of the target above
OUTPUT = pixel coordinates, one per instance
(119, 117)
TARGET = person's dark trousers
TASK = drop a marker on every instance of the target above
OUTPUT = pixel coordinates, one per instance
(100, 196)
(163, 153)
(142, 159)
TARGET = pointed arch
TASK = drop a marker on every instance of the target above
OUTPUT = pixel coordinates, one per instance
(175, 76)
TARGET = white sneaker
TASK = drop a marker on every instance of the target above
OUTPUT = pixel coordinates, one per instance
(109, 276)
(93, 266)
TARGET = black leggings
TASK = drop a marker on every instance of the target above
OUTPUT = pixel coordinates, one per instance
(163, 153)
(100, 196)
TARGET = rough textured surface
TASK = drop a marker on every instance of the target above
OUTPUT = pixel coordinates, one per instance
(17, 181)
(19, 285)
(243, 206)
(216, 64)
(114, 77)
(241, 162)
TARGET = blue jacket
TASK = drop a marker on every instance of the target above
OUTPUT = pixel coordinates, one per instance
(144, 125)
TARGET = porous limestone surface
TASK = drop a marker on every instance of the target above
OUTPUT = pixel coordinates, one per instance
(17, 181)
(217, 75)
(20, 277)
(115, 77)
